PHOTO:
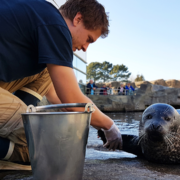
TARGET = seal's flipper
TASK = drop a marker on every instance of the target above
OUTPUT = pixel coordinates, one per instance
(130, 143)
(102, 136)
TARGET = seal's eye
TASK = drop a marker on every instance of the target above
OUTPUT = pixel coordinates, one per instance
(149, 116)
(167, 118)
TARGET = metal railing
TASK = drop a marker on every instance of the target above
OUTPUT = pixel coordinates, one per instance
(100, 91)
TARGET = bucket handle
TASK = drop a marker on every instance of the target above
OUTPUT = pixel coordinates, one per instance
(32, 109)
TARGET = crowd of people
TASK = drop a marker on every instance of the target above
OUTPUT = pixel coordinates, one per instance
(107, 90)
(125, 90)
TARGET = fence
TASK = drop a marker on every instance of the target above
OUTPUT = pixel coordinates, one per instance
(97, 91)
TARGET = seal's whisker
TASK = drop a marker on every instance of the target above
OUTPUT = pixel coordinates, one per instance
(141, 137)
(174, 137)
(167, 143)
(170, 137)
(134, 138)
(170, 141)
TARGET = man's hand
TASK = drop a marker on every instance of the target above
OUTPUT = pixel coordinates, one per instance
(114, 139)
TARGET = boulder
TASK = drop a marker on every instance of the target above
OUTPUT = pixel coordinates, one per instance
(173, 83)
(138, 83)
(161, 82)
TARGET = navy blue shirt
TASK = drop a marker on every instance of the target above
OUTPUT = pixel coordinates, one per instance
(32, 34)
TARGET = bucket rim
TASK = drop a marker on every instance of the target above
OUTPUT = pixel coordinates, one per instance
(53, 113)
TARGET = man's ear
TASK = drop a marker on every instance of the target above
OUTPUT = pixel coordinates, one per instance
(77, 19)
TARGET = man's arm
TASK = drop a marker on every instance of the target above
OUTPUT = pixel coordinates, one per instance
(95, 85)
(68, 91)
(52, 96)
(132, 88)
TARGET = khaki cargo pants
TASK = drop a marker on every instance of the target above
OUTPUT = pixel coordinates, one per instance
(11, 107)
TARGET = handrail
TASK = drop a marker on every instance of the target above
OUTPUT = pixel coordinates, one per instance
(115, 92)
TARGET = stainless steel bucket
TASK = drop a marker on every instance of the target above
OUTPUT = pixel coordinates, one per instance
(57, 141)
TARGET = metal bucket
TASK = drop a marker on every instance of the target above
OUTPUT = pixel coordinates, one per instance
(57, 141)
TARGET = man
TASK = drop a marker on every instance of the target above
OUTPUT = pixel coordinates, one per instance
(103, 90)
(110, 90)
(91, 87)
(121, 89)
(129, 89)
(35, 35)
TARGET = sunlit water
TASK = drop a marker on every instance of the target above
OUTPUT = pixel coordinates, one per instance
(128, 123)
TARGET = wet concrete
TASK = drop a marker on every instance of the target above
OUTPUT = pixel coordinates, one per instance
(101, 164)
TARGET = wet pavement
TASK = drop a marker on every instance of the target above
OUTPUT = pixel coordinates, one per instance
(101, 164)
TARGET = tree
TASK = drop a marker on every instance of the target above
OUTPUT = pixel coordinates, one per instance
(120, 72)
(140, 78)
(104, 71)
(92, 71)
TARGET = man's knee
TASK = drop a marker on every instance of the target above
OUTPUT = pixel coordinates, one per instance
(11, 109)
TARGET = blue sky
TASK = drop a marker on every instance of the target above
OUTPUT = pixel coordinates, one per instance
(144, 36)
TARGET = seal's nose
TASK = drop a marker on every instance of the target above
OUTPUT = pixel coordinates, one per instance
(155, 127)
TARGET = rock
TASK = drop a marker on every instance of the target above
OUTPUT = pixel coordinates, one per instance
(161, 82)
(173, 83)
(158, 88)
(138, 83)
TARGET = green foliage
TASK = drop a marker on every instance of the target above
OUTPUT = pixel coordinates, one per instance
(120, 72)
(106, 72)
(92, 71)
(140, 78)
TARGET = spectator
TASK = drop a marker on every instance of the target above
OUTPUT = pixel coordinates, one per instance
(129, 89)
(121, 90)
(91, 87)
(110, 90)
(103, 90)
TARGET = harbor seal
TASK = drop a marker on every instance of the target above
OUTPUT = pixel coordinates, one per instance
(159, 135)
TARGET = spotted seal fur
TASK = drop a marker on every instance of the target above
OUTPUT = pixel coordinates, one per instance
(159, 135)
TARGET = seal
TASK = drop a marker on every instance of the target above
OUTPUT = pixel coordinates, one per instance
(159, 135)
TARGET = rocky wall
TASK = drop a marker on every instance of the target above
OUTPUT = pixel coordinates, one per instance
(146, 95)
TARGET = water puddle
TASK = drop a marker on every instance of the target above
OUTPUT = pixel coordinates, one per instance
(105, 155)
(128, 123)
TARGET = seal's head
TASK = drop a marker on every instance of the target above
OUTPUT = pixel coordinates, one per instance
(158, 120)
